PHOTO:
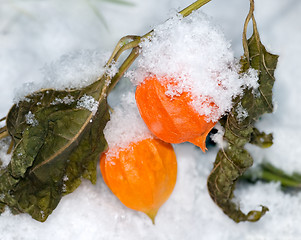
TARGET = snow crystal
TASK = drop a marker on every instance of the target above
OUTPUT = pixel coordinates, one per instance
(65, 178)
(66, 100)
(88, 102)
(195, 54)
(64, 187)
(30, 119)
(242, 113)
(74, 70)
(250, 79)
(112, 70)
(125, 126)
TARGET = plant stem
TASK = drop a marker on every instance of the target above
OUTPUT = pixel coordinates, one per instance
(3, 129)
(10, 148)
(285, 181)
(244, 35)
(119, 48)
(4, 134)
(269, 173)
(194, 6)
(185, 12)
(130, 45)
(124, 67)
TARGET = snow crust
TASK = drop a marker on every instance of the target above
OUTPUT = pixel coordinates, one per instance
(76, 69)
(195, 54)
(125, 126)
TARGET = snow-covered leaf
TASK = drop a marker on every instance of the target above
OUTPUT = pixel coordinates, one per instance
(58, 139)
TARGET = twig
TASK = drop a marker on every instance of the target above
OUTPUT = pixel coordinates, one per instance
(194, 6)
(244, 35)
(11, 145)
(126, 64)
(3, 129)
(4, 134)
(120, 47)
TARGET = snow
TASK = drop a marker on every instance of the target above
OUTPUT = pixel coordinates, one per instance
(218, 137)
(65, 100)
(125, 125)
(242, 113)
(4, 157)
(192, 55)
(88, 102)
(76, 69)
(30, 119)
(35, 33)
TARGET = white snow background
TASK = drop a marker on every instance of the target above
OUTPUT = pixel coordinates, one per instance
(35, 34)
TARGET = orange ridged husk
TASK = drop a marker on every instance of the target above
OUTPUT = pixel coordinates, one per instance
(171, 119)
(142, 176)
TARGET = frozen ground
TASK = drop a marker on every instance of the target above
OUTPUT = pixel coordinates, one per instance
(34, 33)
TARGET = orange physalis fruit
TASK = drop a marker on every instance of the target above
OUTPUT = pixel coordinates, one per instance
(171, 119)
(142, 175)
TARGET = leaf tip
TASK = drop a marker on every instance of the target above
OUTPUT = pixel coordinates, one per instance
(254, 216)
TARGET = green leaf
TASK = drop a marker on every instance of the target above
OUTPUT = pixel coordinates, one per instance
(268, 173)
(58, 140)
(234, 160)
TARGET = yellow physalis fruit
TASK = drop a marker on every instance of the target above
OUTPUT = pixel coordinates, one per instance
(142, 175)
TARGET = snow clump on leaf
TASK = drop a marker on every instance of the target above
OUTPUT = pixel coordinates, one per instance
(77, 69)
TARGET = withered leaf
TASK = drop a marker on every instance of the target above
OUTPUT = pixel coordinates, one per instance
(58, 137)
(261, 139)
(234, 160)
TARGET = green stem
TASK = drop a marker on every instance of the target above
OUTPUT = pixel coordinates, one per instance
(124, 67)
(119, 48)
(185, 12)
(285, 181)
(130, 45)
(296, 177)
(194, 6)
(269, 173)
